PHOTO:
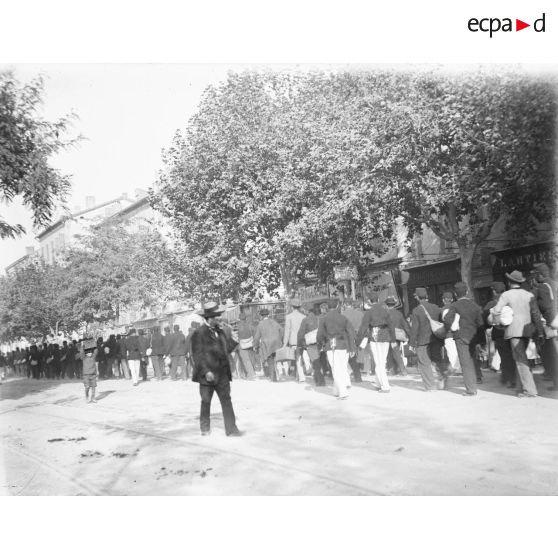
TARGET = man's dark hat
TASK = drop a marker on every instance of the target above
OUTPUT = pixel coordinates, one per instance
(447, 294)
(515, 276)
(295, 303)
(264, 312)
(211, 309)
(421, 291)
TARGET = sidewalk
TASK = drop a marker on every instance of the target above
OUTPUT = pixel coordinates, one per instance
(300, 440)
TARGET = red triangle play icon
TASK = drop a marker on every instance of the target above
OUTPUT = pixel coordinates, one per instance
(519, 25)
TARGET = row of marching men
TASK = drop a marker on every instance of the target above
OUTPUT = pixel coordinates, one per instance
(337, 339)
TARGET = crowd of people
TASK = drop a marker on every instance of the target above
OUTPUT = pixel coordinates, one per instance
(342, 340)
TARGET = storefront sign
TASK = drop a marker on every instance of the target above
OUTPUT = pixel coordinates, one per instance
(523, 258)
(434, 274)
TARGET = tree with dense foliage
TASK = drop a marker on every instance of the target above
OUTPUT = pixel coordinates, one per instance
(281, 175)
(32, 302)
(113, 268)
(27, 143)
(462, 153)
(249, 183)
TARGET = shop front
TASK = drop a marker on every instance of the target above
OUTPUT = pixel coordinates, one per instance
(437, 277)
(523, 258)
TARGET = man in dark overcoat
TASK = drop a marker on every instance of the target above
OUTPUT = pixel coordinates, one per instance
(211, 347)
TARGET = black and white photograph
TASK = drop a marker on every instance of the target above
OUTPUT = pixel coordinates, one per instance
(216, 274)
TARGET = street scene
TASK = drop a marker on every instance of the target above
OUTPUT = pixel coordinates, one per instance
(326, 281)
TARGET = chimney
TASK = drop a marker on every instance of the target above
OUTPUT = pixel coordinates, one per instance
(77, 208)
(140, 193)
(124, 195)
(89, 202)
(29, 250)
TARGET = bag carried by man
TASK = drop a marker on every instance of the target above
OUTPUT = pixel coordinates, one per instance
(438, 328)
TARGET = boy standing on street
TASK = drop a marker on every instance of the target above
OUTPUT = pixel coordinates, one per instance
(87, 354)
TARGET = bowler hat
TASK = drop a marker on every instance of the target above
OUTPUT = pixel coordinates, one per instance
(264, 312)
(295, 303)
(498, 286)
(421, 292)
(515, 276)
(211, 309)
(390, 301)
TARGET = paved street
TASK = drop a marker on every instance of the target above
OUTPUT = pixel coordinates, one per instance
(300, 440)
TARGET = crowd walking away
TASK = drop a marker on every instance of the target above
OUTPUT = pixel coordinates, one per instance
(331, 345)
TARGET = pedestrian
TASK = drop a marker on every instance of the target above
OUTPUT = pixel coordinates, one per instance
(525, 324)
(211, 347)
(376, 328)
(3, 366)
(55, 363)
(449, 341)
(336, 335)
(466, 336)
(268, 339)
(423, 341)
(64, 350)
(177, 351)
(157, 353)
(547, 299)
(290, 337)
(144, 343)
(77, 360)
(402, 331)
(88, 354)
(35, 362)
(246, 354)
(101, 358)
(354, 315)
(121, 357)
(133, 355)
(508, 368)
(308, 340)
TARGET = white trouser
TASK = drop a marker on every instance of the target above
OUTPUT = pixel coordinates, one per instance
(338, 360)
(307, 362)
(282, 367)
(451, 351)
(134, 370)
(380, 352)
(300, 368)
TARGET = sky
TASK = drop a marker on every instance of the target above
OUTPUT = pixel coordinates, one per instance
(127, 113)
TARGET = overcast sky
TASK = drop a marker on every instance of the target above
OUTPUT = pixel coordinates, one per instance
(128, 114)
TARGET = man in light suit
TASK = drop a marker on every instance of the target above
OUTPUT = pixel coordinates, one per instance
(290, 337)
(470, 320)
(267, 340)
(525, 323)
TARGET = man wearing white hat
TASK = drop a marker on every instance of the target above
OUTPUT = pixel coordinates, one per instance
(211, 347)
(526, 321)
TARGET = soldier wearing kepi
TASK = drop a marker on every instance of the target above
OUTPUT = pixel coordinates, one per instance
(211, 347)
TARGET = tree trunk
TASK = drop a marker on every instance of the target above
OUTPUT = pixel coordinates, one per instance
(286, 280)
(467, 253)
